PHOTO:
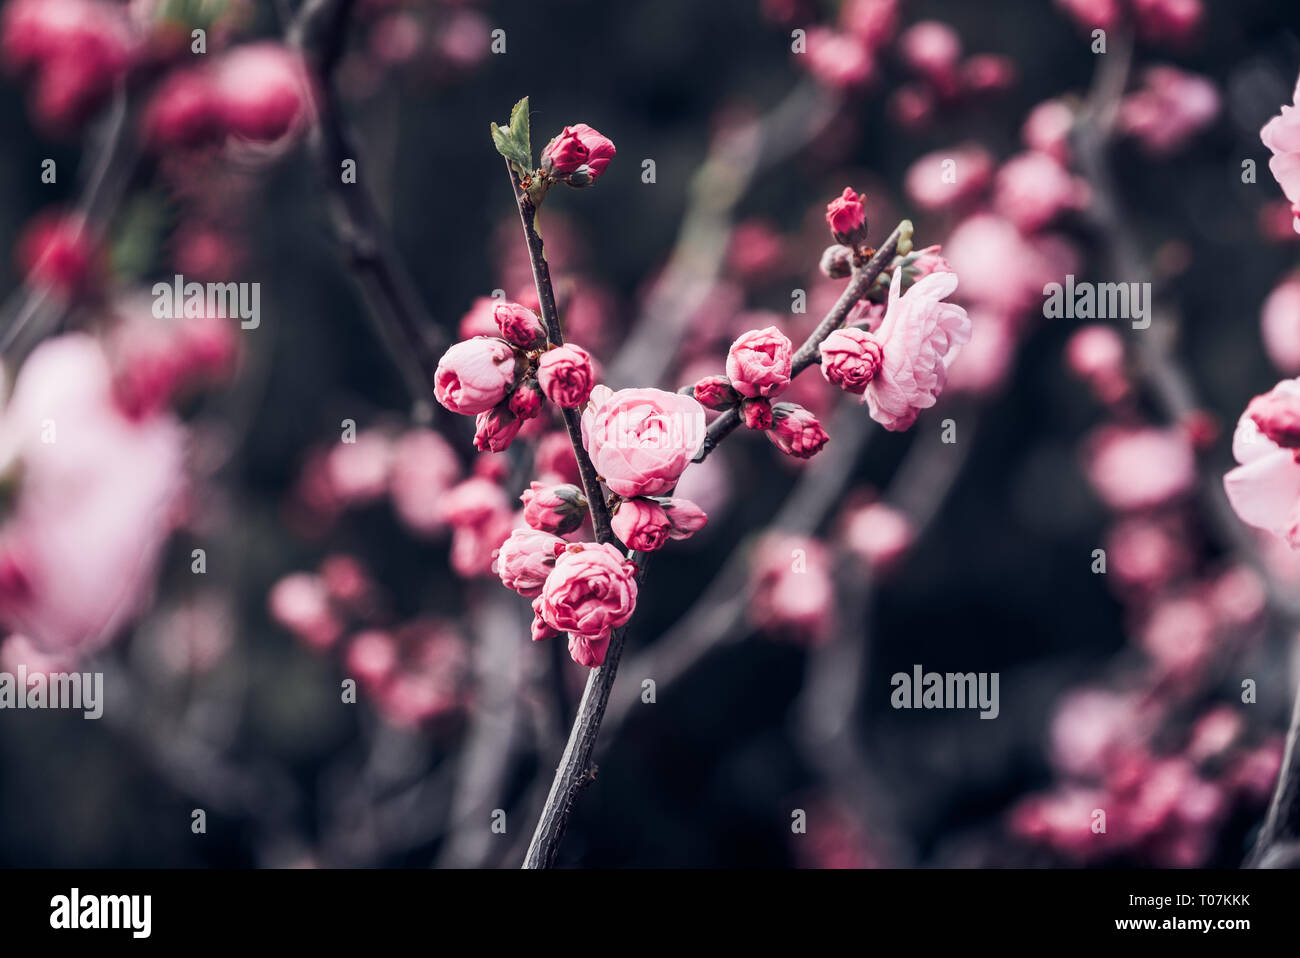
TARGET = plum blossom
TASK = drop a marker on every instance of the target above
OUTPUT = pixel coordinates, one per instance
(590, 592)
(641, 440)
(1281, 135)
(1265, 488)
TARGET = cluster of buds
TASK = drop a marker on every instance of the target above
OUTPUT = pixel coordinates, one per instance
(759, 366)
(502, 380)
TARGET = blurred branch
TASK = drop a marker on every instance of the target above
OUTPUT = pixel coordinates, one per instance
(576, 768)
(1172, 389)
(733, 165)
(414, 342)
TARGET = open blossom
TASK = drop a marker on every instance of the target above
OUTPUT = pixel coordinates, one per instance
(579, 154)
(850, 359)
(796, 431)
(474, 375)
(558, 509)
(759, 362)
(847, 217)
(519, 325)
(945, 178)
(1032, 189)
(641, 524)
(1169, 109)
(641, 440)
(1281, 135)
(590, 592)
(566, 376)
(1139, 468)
(1265, 488)
(83, 532)
(525, 559)
(918, 340)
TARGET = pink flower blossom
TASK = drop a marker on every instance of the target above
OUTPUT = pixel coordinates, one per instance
(424, 467)
(715, 392)
(1169, 109)
(850, 359)
(641, 440)
(796, 431)
(1047, 129)
(474, 375)
(56, 252)
(641, 524)
(838, 60)
(566, 376)
(519, 325)
(474, 503)
(371, 657)
(879, 535)
(526, 558)
(526, 401)
(871, 21)
(1095, 354)
(918, 340)
(301, 604)
(358, 471)
(263, 92)
(1265, 488)
(557, 509)
(1139, 468)
(934, 183)
(1090, 14)
(758, 363)
(1280, 325)
(791, 593)
(590, 592)
(580, 154)
(757, 414)
(480, 319)
(685, 518)
(1001, 269)
(847, 217)
(183, 112)
(1281, 135)
(1168, 21)
(933, 50)
(95, 497)
(1032, 189)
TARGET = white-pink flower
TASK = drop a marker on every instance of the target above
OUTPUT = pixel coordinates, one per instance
(1282, 137)
(919, 338)
(95, 498)
(1264, 489)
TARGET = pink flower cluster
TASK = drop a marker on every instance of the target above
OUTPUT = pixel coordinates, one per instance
(502, 380)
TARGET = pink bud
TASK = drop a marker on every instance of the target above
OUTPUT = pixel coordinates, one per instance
(757, 413)
(759, 362)
(300, 603)
(496, 429)
(932, 49)
(526, 400)
(850, 359)
(371, 657)
(557, 509)
(588, 650)
(525, 559)
(796, 431)
(847, 218)
(474, 375)
(715, 392)
(519, 325)
(55, 252)
(263, 91)
(579, 155)
(685, 516)
(836, 262)
(183, 112)
(474, 503)
(641, 524)
(566, 376)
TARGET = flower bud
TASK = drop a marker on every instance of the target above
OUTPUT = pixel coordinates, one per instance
(557, 509)
(474, 375)
(525, 559)
(796, 431)
(847, 218)
(836, 262)
(759, 362)
(685, 517)
(578, 155)
(566, 376)
(496, 429)
(715, 392)
(526, 400)
(641, 524)
(850, 359)
(519, 325)
(757, 413)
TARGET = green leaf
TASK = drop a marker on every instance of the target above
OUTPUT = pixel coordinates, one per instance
(513, 141)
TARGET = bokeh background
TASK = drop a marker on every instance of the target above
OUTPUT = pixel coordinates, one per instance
(214, 704)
